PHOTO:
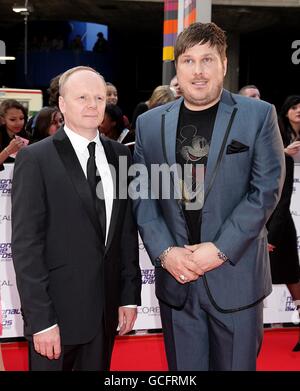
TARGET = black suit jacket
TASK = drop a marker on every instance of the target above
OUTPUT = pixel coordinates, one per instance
(65, 274)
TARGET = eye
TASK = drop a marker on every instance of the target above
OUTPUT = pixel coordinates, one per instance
(207, 60)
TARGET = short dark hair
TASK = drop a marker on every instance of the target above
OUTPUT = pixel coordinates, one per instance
(115, 114)
(201, 33)
(43, 122)
(287, 132)
(53, 91)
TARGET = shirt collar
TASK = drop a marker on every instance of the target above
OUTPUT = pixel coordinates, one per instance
(79, 142)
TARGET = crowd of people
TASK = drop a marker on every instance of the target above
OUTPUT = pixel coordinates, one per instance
(212, 253)
(41, 43)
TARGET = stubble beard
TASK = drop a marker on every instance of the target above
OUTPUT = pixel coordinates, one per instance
(206, 100)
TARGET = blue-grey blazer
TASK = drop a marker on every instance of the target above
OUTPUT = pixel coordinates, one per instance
(243, 182)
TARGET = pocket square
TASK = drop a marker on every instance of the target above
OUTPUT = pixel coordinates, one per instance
(236, 147)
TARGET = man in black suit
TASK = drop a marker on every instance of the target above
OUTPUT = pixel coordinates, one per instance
(75, 253)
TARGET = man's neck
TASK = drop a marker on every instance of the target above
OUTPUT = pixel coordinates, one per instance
(89, 134)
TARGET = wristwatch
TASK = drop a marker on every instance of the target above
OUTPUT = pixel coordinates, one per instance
(160, 261)
(222, 256)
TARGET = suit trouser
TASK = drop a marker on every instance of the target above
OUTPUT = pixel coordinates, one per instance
(200, 338)
(92, 356)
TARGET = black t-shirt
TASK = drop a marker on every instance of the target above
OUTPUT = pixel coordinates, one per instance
(194, 133)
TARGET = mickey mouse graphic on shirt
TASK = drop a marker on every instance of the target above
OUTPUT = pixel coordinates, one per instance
(193, 149)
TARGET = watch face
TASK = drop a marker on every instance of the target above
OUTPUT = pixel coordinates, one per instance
(222, 256)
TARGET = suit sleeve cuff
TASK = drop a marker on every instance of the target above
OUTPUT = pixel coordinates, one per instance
(130, 306)
(43, 331)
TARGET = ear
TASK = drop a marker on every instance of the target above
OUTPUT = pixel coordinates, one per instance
(61, 104)
(225, 66)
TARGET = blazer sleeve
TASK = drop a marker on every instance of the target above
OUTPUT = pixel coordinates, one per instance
(29, 219)
(131, 281)
(276, 224)
(153, 229)
(248, 219)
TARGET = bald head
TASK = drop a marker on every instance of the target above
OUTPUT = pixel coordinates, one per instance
(66, 75)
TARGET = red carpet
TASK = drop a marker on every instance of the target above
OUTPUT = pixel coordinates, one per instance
(146, 353)
(276, 353)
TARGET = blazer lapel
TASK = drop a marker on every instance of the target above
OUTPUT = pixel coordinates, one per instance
(74, 170)
(112, 160)
(223, 123)
(169, 123)
(169, 131)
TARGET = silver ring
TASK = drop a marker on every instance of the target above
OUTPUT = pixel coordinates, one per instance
(182, 277)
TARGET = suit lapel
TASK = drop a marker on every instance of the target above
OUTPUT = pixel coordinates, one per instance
(169, 134)
(73, 168)
(170, 131)
(169, 125)
(112, 160)
(224, 118)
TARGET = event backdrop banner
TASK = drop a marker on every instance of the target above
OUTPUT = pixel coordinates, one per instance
(278, 307)
(10, 302)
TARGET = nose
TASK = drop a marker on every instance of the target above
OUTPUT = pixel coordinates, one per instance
(198, 68)
(92, 103)
(20, 123)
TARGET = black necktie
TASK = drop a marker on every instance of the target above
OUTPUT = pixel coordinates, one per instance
(96, 186)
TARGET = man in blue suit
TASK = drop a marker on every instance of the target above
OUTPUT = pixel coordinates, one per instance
(208, 239)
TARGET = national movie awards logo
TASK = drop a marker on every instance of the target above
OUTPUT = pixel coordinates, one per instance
(5, 187)
(148, 276)
(6, 283)
(5, 219)
(294, 307)
(8, 317)
(5, 252)
(295, 315)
